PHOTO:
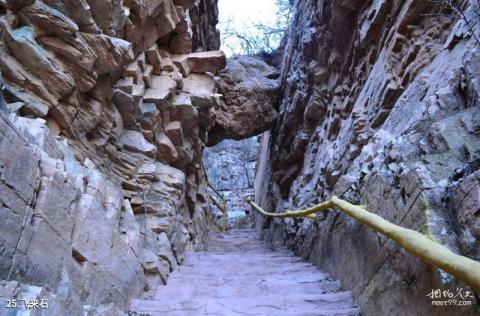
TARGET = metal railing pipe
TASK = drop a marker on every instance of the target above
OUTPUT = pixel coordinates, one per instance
(223, 206)
(419, 245)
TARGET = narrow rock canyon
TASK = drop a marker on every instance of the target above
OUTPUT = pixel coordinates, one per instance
(116, 115)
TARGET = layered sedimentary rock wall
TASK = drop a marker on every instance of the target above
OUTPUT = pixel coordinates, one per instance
(380, 105)
(106, 108)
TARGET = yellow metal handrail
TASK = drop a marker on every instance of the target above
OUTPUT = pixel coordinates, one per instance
(414, 242)
(223, 206)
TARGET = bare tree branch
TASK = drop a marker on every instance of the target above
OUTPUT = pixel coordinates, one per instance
(454, 6)
(257, 38)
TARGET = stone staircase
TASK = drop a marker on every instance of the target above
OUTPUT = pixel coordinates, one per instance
(239, 275)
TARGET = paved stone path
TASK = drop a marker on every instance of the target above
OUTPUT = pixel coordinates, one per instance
(239, 275)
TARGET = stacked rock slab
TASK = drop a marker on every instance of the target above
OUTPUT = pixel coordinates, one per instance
(101, 135)
(380, 105)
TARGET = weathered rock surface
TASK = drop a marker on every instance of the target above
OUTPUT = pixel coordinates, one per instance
(60, 226)
(250, 91)
(379, 105)
(101, 189)
(134, 141)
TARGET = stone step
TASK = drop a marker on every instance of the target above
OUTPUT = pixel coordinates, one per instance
(270, 279)
(240, 288)
(328, 304)
(244, 256)
(257, 263)
(240, 275)
(243, 272)
(355, 311)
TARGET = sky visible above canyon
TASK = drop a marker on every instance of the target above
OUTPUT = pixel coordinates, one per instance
(243, 16)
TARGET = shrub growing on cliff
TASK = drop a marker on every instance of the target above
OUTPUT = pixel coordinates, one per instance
(458, 7)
